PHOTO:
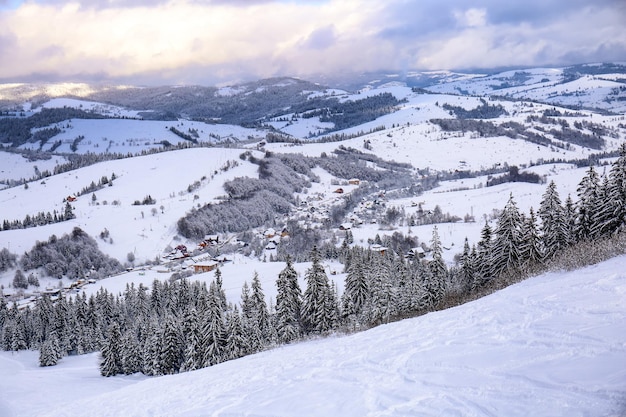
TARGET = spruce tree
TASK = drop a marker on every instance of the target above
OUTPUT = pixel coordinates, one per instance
(50, 351)
(531, 250)
(554, 232)
(587, 204)
(611, 214)
(437, 284)
(236, 342)
(483, 256)
(318, 302)
(130, 353)
(192, 358)
(468, 267)
(111, 360)
(213, 333)
(288, 304)
(380, 305)
(506, 248)
(171, 354)
(356, 288)
(260, 313)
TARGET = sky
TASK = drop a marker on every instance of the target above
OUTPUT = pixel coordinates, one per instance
(209, 42)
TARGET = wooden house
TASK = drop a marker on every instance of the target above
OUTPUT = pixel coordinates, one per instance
(207, 266)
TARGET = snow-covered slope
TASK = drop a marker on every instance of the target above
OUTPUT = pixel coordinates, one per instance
(554, 345)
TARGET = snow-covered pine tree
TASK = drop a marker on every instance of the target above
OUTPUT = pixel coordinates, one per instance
(50, 351)
(356, 288)
(611, 214)
(587, 204)
(380, 305)
(213, 332)
(260, 313)
(318, 301)
(219, 290)
(438, 282)
(506, 248)
(236, 341)
(192, 358)
(111, 360)
(531, 250)
(569, 216)
(554, 235)
(483, 256)
(151, 352)
(130, 353)
(288, 304)
(468, 267)
(171, 353)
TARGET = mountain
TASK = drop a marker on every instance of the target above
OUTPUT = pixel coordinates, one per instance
(108, 188)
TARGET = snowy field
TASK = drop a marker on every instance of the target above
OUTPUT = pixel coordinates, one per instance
(554, 345)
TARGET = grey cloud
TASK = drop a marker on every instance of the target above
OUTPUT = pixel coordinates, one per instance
(321, 38)
(607, 51)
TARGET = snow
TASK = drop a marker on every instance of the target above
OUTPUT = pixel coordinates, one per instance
(551, 345)
(134, 136)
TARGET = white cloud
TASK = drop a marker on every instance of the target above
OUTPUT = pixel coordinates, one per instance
(200, 41)
(471, 17)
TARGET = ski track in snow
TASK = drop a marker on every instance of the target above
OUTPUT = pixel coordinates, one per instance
(553, 345)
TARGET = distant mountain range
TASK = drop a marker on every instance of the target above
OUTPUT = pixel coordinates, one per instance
(599, 86)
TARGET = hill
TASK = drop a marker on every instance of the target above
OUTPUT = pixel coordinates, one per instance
(551, 345)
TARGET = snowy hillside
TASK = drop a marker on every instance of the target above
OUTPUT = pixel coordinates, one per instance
(553, 345)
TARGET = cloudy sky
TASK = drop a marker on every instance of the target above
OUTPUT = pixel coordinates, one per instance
(216, 41)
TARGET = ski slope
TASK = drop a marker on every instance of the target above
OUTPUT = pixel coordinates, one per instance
(553, 345)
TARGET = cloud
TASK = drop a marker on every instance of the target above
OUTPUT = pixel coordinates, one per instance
(207, 41)
(321, 38)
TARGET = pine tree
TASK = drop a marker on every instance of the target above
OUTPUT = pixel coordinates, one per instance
(506, 248)
(111, 361)
(260, 313)
(356, 288)
(380, 305)
(436, 287)
(530, 250)
(318, 300)
(236, 343)
(288, 304)
(50, 351)
(569, 217)
(130, 354)
(611, 214)
(468, 267)
(192, 358)
(554, 235)
(68, 212)
(213, 333)
(587, 204)
(171, 354)
(483, 256)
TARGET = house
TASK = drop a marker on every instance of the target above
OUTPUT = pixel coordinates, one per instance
(378, 248)
(206, 266)
(70, 198)
(222, 259)
(354, 181)
(416, 253)
(284, 233)
(212, 239)
(338, 191)
(269, 233)
(345, 226)
(271, 246)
